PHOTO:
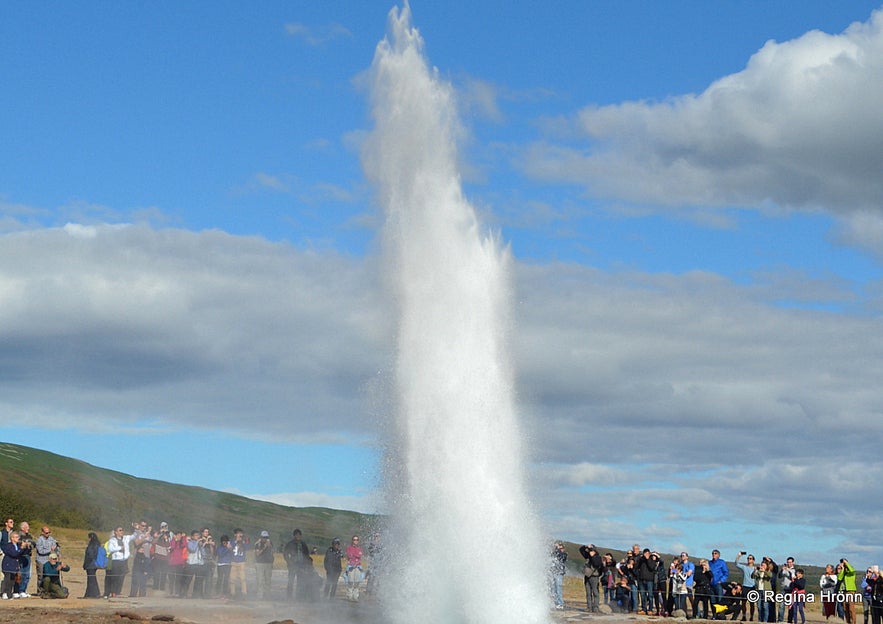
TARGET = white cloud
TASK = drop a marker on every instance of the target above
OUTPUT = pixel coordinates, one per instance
(863, 230)
(314, 36)
(364, 504)
(639, 392)
(798, 127)
(138, 324)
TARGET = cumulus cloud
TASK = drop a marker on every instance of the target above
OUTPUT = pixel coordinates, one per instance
(640, 392)
(207, 329)
(798, 127)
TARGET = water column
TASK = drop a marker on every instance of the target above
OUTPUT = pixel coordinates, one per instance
(467, 547)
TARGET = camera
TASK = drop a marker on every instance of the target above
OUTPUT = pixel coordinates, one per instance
(742, 552)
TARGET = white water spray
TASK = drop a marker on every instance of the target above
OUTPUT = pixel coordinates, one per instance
(468, 548)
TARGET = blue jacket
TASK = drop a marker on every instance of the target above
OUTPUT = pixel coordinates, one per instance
(10, 562)
(719, 570)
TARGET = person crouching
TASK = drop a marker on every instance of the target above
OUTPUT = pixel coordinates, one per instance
(51, 584)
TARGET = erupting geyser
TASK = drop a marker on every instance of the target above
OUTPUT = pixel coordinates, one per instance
(467, 546)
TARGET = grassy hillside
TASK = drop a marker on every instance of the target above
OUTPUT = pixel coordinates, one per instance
(43, 487)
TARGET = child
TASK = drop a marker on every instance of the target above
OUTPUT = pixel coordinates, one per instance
(678, 586)
(798, 597)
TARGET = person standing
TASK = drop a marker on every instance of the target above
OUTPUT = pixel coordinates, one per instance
(557, 569)
(798, 595)
(748, 582)
(763, 584)
(720, 575)
(828, 587)
(195, 566)
(646, 571)
(91, 567)
(240, 547)
(210, 560)
(702, 580)
(177, 563)
(786, 576)
(876, 584)
(159, 557)
(354, 572)
(846, 579)
(591, 575)
(142, 539)
(689, 570)
(225, 559)
(11, 565)
(26, 543)
(333, 568)
(118, 563)
(45, 546)
(263, 563)
(867, 590)
(297, 559)
(6, 531)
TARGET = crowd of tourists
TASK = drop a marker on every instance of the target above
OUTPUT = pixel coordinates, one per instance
(642, 582)
(178, 564)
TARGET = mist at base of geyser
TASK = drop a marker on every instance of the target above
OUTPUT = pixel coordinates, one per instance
(465, 544)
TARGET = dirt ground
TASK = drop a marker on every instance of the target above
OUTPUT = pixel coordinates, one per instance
(157, 607)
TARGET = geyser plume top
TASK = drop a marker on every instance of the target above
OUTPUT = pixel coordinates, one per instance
(416, 126)
(468, 546)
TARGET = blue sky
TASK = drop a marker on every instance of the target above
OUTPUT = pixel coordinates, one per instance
(691, 191)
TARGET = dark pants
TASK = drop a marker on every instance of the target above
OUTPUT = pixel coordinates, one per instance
(331, 580)
(222, 587)
(159, 566)
(592, 601)
(8, 585)
(114, 577)
(140, 571)
(92, 589)
(201, 581)
(702, 598)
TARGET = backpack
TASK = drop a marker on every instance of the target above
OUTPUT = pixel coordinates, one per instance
(101, 558)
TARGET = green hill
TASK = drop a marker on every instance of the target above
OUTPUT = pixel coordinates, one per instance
(43, 487)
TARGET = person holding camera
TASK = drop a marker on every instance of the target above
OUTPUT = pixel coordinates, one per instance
(45, 546)
(846, 583)
(748, 581)
(591, 575)
(11, 565)
(159, 557)
(142, 539)
(240, 546)
(210, 560)
(27, 548)
(194, 568)
(51, 586)
(263, 563)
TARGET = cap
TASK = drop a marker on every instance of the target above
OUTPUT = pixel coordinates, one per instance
(53, 556)
(265, 534)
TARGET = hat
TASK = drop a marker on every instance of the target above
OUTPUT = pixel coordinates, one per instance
(53, 556)
(265, 534)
